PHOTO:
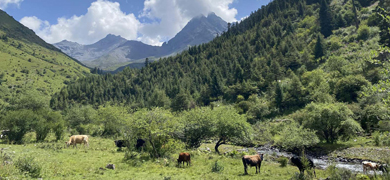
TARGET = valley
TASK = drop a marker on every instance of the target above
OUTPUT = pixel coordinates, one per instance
(297, 83)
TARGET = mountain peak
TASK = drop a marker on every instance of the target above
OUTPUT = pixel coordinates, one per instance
(212, 14)
(113, 35)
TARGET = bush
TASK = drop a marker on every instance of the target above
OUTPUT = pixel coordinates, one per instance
(18, 123)
(29, 166)
(294, 136)
(217, 167)
(282, 161)
(363, 32)
(338, 173)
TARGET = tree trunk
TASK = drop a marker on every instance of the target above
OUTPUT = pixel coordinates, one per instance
(220, 142)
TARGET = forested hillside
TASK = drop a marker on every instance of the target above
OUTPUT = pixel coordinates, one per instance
(288, 54)
(28, 62)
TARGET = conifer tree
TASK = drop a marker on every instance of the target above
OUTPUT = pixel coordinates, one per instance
(325, 19)
(319, 48)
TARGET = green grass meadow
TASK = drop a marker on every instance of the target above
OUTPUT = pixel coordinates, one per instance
(58, 162)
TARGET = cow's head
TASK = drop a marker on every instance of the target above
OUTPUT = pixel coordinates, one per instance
(384, 168)
(67, 143)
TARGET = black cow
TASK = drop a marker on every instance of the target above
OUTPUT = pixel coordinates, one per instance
(297, 161)
(120, 143)
(124, 143)
(4, 133)
(384, 168)
(140, 143)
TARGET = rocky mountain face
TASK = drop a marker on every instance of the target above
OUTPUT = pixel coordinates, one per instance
(86, 53)
(113, 52)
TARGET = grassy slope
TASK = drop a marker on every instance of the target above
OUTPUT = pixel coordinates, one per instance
(29, 62)
(85, 163)
(33, 66)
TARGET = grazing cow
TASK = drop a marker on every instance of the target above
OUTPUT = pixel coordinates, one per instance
(184, 157)
(4, 133)
(297, 161)
(254, 160)
(140, 143)
(120, 143)
(77, 139)
(384, 168)
(370, 166)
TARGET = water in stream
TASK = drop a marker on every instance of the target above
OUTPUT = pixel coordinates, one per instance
(321, 163)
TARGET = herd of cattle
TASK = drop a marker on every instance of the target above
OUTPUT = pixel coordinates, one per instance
(247, 160)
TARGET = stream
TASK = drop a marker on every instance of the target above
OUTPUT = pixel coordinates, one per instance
(319, 162)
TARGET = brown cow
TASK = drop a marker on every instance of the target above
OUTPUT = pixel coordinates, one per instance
(184, 157)
(77, 139)
(254, 160)
(370, 166)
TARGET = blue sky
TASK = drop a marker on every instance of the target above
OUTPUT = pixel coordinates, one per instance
(150, 21)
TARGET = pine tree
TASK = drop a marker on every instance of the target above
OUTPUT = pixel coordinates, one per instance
(146, 62)
(278, 96)
(340, 21)
(319, 48)
(355, 14)
(325, 19)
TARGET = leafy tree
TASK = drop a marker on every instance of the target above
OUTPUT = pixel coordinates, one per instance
(18, 123)
(372, 115)
(317, 86)
(295, 137)
(329, 120)
(348, 88)
(230, 126)
(181, 102)
(112, 118)
(159, 99)
(158, 127)
(259, 110)
(77, 116)
(384, 21)
(296, 96)
(198, 126)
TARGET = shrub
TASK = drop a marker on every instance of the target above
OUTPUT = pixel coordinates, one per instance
(217, 167)
(19, 123)
(29, 166)
(363, 32)
(293, 136)
(338, 173)
(282, 161)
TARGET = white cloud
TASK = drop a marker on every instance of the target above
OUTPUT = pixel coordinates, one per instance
(103, 17)
(4, 3)
(244, 18)
(34, 23)
(172, 15)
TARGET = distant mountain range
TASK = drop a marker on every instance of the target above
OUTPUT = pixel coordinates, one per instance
(112, 52)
